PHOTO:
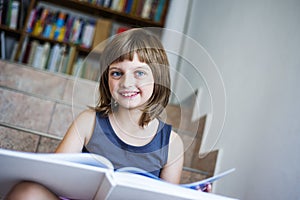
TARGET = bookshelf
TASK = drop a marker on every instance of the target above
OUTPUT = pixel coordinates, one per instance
(68, 30)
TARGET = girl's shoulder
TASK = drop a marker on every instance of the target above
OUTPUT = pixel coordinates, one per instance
(87, 114)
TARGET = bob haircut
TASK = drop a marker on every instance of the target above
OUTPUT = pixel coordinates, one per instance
(150, 50)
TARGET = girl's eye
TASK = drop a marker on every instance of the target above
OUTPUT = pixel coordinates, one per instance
(116, 74)
(140, 74)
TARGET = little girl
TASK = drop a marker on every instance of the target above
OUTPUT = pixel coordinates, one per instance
(125, 126)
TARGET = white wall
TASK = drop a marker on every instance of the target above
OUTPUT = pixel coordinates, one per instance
(256, 45)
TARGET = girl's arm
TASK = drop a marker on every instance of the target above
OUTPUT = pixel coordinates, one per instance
(78, 133)
(172, 170)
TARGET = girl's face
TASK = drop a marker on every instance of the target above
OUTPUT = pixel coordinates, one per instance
(131, 83)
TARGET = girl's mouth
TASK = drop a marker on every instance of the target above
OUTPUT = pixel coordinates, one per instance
(129, 94)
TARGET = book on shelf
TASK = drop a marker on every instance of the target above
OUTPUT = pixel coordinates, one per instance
(114, 5)
(31, 20)
(7, 12)
(78, 67)
(14, 51)
(54, 58)
(134, 7)
(14, 14)
(24, 4)
(159, 11)
(63, 61)
(88, 34)
(71, 57)
(33, 46)
(107, 3)
(146, 9)
(139, 8)
(23, 49)
(63, 173)
(1, 10)
(3, 45)
(41, 56)
(102, 32)
(128, 6)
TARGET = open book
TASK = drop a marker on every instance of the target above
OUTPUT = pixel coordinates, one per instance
(89, 176)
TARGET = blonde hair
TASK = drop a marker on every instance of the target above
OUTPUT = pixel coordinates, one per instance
(149, 50)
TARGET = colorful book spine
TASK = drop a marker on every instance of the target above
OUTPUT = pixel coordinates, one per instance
(128, 6)
(69, 25)
(30, 23)
(59, 26)
(146, 9)
(15, 6)
(159, 10)
(88, 35)
(76, 29)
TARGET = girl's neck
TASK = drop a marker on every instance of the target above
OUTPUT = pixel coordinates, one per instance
(126, 125)
(127, 117)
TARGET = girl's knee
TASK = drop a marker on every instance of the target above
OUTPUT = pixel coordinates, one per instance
(30, 190)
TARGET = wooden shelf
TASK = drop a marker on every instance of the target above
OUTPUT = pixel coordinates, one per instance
(13, 31)
(108, 13)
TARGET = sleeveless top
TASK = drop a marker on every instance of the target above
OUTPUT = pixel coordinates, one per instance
(150, 157)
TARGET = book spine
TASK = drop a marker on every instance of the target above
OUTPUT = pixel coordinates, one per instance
(45, 55)
(1, 11)
(121, 5)
(153, 9)
(37, 56)
(63, 59)
(69, 25)
(139, 8)
(76, 30)
(134, 7)
(107, 3)
(146, 9)
(114, 4)
(88, 35)
(59, 25)
(23, 49)
(72, 54)
(33, 45)
(30, 23)
(128, 5)
(78, 67)
(8, 12)
(159, 11)
(3, 56)
(15, 6)
(54, 58)
(26, 54)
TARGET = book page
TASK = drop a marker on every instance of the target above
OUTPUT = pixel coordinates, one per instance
(63, 177)
(136, 187)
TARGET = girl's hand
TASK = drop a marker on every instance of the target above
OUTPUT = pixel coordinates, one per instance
(207, 188)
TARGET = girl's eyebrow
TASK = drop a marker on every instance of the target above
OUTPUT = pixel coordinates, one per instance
(114, 68)
(144, 67)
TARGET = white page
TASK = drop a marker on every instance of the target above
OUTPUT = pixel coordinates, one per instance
(136, 187)
(64, 178)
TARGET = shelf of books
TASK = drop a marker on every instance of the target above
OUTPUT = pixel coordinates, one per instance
(57, 35)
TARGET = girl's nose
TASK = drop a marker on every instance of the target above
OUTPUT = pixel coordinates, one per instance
(127, 80)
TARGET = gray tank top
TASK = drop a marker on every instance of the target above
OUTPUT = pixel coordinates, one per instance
(150, 157)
